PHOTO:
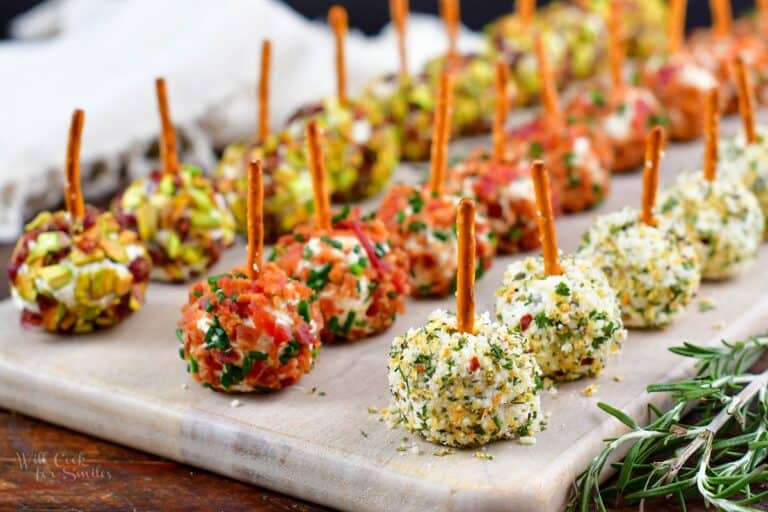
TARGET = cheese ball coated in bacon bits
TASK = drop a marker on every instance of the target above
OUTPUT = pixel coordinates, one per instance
(681, 85)
(722, 218)
(241, 335)
(183, 222)
(654, 271)
(73, 280)
(748, 163)
(624, 117)
(424, 227)
(360, 154)
(359, 278)
(461, 389)
(504, 194)
(409, 105)
(473, 92)
(573, 320)
(287, 183)
(577, 157)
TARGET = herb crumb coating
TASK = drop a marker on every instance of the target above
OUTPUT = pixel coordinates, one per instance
(77, 278)
(573, 320)
(183, 222)
(359, 277)
(464, 390)
(654, 271)
(723, 219)
(241, 335)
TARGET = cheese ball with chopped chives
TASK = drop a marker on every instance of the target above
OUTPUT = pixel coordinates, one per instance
(287, 183)
(723, 219)
(183, 222)
(71, 278)
(241, 335)
(360, 154)
(460, 389)
(504, 194)
(573, 320)
(360, 279)
(654, 271)
(748, 163)
(424, 227)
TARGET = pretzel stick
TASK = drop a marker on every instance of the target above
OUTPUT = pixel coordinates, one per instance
(398, 11)
(712, 128)
(266, 60)
(616, 45)
(319, 177)
(465, 271)
(676, 27)
(501, 109)
(721, 18)
(524, 10)
(449, 10)
(441, 133)
(255, 219)
(546, 219)
(548, 92)
(762, 14)
(73, 196)
(653, 148)
(337, 18)
(746, 100)
(168, 156)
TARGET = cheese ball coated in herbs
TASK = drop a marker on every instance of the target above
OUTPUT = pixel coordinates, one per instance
(242, 335)
(183, 222)
(504, 194)
(359, 277)
(572, 321)
(722, 218)
(76, 278)
(424, 227)
(464, 389)
(287, 183)
(361, 153)
(654, 270)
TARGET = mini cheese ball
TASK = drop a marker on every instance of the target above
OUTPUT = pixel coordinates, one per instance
(360, 279)
(461, 389)
(723, 218)
(240, 334)
(654, 271)
(76, 271)
(563, 305)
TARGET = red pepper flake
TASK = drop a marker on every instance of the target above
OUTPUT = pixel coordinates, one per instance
(474, 364)
(420, 368)
(525, 321)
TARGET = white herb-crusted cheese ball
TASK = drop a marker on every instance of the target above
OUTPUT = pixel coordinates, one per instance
(654, 271)
(463, 389)
(748, 163)
(573, 320)
(722, 217)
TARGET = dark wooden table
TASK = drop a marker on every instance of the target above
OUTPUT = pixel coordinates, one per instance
(44, 467)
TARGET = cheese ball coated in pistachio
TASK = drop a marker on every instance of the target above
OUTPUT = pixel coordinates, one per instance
(241, 335)
(359, 278)
(423, 226)
(75, 279)
(287, 183)
(722, 217)
(573, 320)
(654, 271)
(748, 163)
(461, 389)
(183, 222)
(361, 152)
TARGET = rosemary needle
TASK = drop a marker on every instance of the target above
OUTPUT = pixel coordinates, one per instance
(720, 456)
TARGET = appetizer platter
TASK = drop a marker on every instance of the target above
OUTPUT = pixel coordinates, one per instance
(414, 336)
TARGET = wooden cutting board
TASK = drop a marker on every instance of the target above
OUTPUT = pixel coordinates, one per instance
(319, 440)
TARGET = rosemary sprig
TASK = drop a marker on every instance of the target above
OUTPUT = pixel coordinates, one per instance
(719, 455)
